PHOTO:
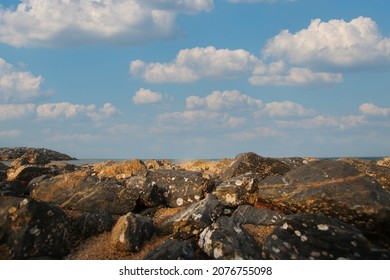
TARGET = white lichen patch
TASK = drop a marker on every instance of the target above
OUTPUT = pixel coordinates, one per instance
(298, 233)
(196, 217)
(354, 243)
(23, 202)
(230, 198)
(197, 197)
(122, 238)
(304, 238)
(323, 227)
(179, 201)
(237, 229)
(35, 231)
(12, 210)
(276, 250)
(285, 226)
(238, 183)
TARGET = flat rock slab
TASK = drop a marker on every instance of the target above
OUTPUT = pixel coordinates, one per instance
(247, 214)
(179, 187)
(173, 249)
(310, 236)
(26, 173)
(251, 162)
(226, 240)
(31, 229)
(79, 191)
(332, 188)
(192, 220)
(130, 232)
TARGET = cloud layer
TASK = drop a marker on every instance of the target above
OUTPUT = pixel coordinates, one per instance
(146, 96)
(64, 22)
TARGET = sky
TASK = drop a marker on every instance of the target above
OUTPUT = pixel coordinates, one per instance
(196, 79)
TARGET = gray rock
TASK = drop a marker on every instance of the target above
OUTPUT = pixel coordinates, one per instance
(33, 154)
(150, 195)
(253, 163)
(89, 224)
(310, 236)
(226, 240)
(31, 229)
(11, 188)
(130, 232)
(247, 214)
(332, 188)
(173, 249)
(192, 220)
(179, 187)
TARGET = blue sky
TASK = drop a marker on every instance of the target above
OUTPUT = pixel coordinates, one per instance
(196, 79)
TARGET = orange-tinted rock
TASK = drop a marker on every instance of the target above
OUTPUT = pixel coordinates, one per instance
(119, 170)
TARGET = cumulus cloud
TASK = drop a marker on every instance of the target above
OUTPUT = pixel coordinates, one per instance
(286, 108)
(194, 64)
(63, 109)
(146, 96)
(371, 109)
(10, 133)
(333, 45)
(278, 74)
(18, 85)
(15, 111)
(64, 22)
(227, 99)
(105, 113)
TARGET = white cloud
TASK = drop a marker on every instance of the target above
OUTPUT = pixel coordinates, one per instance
(286, 108)
(333, 45)
(227, 99)
(17, 85)
(188, 117)
(64, 22)
(146, 96)
(371, 109)
(321, 121)
(254, 133)
(63, 109)
(15, 111)
(258, 1)
(10, 133)
(105, 113)
(195, 64)
(278, 74)
(233, 122)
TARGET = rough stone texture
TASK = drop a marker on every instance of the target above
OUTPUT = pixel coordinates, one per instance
(384, 162)
(332, 188)
(11, 188)
(173, 249)
(251, 162)
(149, 193)
(179, 188)
(310, 236)
(225, 240)
(57, 168)
(247, 214)
(31, 229)
(119, 170)
(3, 172)
(89, 224)
(294, 162)
(209, 169)
(32, 155)
(239, 190)
(26, 173)
(380, 173)
(79, 191)
(158, 164)
(130, 232)
(191, 221)
(35, 182)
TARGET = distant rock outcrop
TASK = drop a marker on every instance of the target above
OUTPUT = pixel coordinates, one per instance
(32, 155)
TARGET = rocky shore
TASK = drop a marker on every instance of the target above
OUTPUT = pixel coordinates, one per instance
(249, 207)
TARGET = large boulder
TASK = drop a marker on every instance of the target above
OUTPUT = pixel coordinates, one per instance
(209, 169)
(25, 173)
(173, 249)
(192, 220)
(247, 214)
(310, 236)
(119, 170)
(253, 163)
(179, 188)
(150, 195)
(80, 191)
(332, 188)
(31, 229)
(90, 224)
(384, 162)
(130, 232)
(33, 155)
(12, 188)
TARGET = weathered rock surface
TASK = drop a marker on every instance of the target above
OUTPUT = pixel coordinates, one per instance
(149, 194)
(239, 190)
(384, 162)
(179, 188)
(310, 236)
(226, 240)
(251, 162)
(11, 188)
(79, 191)
(371, 168)
(3, 171)
(130, 232)
(332, 188)
(159, 164)
(119, 170)
(33, 155)
(247, 214)
(191, 221)
(26, 173)
(89, 224)
(31, 229)
(209, 169)
(173, 249)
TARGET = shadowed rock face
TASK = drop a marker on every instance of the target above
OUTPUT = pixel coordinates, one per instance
(332, 188)
(31, 229)
(310, 236)
(172, 249)
(251, 162)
